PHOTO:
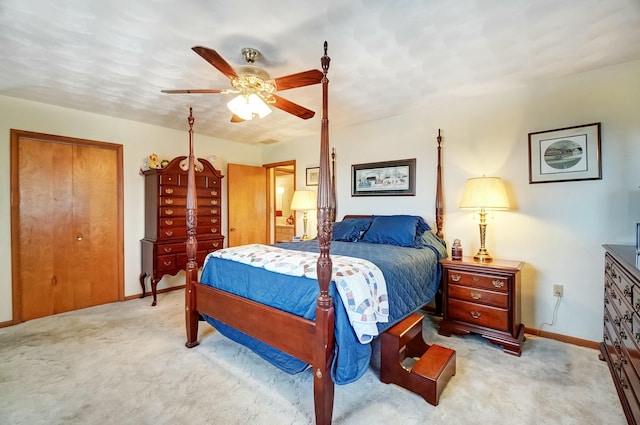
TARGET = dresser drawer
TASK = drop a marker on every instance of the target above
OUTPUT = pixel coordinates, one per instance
(611, 339)
(210, 245)
(476, 295)
(171, 200)
(172, 233)
(171, 248)
(172, 211)
(496, 283)
(492, 317)
(166, 262)
(168, 190)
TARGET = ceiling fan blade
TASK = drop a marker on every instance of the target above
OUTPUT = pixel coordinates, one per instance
(191, 91)
(235, 118)
(301, 79)
(216, 60)
(292, 108)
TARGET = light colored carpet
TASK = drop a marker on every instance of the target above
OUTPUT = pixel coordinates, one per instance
(126, 363)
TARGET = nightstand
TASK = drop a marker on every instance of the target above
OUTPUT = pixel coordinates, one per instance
(483, 298)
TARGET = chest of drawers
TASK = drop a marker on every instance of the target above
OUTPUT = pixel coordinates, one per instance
(483, 298)
(621, 334)
(163, 247)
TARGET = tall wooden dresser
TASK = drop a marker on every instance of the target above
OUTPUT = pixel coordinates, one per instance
(621, 345)
(164, 244)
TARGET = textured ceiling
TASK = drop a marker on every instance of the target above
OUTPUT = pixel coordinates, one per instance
(388, 57)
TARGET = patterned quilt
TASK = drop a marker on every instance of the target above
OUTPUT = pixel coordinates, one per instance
(360, 283)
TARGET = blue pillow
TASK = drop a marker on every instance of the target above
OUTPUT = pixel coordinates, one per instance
(350, 229)
(399, 230)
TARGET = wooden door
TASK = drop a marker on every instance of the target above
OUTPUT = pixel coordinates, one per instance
(247, 204)
(66, 224)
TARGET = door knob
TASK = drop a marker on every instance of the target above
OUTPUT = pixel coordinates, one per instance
(233, 229)
(79, 238)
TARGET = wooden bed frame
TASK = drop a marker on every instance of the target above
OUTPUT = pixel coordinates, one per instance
(309, 341)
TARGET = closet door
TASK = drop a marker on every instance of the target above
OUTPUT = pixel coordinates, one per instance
(68, 228)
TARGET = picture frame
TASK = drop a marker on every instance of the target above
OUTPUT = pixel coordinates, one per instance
(388, 178)
(565, 154)
(313, 175)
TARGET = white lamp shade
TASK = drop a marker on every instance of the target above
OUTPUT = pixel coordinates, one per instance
(304, 200)
(247, 106)
(486, 193)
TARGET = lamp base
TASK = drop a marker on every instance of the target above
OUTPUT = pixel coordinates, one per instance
(483, 256)
(305, 238)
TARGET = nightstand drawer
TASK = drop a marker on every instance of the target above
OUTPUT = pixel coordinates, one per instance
(496, 283)
(478, 314)
(475, 295)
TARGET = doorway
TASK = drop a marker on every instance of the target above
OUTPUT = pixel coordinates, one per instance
(67, 224)
(282, 184)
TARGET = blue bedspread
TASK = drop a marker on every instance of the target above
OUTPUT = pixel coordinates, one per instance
(412, 276)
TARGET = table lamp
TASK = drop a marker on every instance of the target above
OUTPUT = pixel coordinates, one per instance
(305, 201)
(484, 194)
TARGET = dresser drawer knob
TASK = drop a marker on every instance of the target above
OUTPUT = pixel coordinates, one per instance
(476, 279)
(475, 314)
(214, 230)
(214, 193)
(167, 263)
(168, 249)
(476, 295)
(214, 202)
(456, 277)
(215, 244)
(168, 190)
(168, 232)
(168, 212)
(214, 220)
(497, 283)
(214, 211)
(168, 201)
(168, 222)
(623, 335)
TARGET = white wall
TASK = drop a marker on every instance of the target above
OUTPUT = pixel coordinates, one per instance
(556, 228)
(138, 140)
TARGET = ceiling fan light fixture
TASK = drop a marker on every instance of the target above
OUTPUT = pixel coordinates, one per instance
(246, 107)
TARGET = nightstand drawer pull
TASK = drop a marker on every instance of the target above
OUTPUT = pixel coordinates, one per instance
(476, 295)
(456, 277)
(475, 314)
(498, 283)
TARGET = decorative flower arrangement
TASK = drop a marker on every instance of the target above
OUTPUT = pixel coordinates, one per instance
(152, 162)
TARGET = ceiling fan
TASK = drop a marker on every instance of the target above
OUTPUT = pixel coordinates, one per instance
(254, 86)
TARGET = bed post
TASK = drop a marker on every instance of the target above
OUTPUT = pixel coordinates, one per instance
(191, 315)
(324, 339)
(439, 197)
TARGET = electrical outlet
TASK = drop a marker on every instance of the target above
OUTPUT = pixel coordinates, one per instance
(558, 290)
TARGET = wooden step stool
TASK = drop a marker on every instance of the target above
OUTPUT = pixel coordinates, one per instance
(433, 365)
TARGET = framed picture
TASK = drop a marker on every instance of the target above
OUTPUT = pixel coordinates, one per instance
(565, 154)
(384, 178)
(313, 174)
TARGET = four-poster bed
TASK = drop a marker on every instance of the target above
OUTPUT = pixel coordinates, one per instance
(316, 338)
